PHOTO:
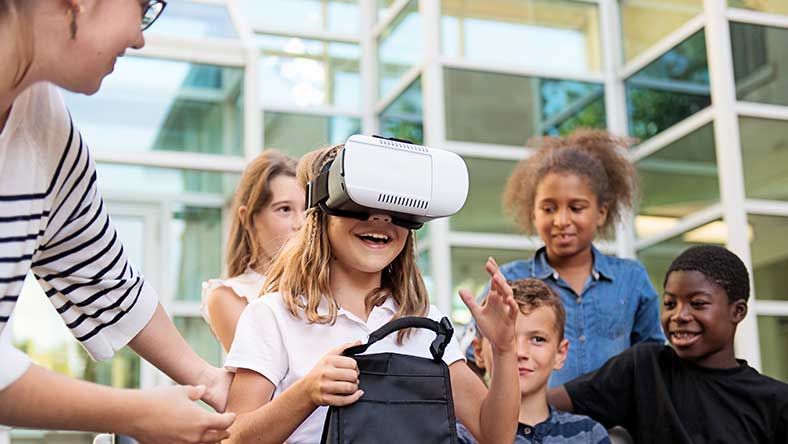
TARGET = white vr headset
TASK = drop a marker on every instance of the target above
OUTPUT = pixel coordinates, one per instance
(411, 183)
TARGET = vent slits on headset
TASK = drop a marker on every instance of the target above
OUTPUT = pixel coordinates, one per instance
(402, 201)
(406, 146)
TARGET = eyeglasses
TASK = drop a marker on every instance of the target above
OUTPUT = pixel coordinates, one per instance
(151, 12)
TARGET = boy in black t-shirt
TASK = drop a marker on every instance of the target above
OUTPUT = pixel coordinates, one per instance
(694, 392)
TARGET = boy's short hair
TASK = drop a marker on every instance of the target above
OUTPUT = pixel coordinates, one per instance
(719, 265)
(531, 294)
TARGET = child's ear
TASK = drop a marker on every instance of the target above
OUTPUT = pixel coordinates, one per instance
(477, 352)
(560, 356)
(739, 310)
(602, 215)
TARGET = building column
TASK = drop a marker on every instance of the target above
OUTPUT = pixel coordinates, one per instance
(729, 161)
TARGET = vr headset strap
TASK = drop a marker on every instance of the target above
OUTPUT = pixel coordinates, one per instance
(443, 331)
(317, 189)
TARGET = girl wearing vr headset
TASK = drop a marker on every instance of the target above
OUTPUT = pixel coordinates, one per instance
(339, 280)
(571, 190)
(54, 224)
(268, 208)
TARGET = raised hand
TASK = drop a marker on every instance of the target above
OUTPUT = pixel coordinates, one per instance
(497, 318)
(334, 379)
(170, 415)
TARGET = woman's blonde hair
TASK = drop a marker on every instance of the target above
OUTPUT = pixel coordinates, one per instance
(253, 192)
(301, 272)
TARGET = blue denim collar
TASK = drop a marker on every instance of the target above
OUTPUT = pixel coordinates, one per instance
(541, 269)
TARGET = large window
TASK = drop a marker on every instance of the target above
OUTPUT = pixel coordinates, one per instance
(399, 47)
(303, 73)
(483, 210)
(670, 89)
(337, 16)
(195, 232)
(769, 246)
(773, 334)
(403, 118)
(657, 258)
(646, 22)
(677, 181)
(759, 56)
(155, 182)
(517, 29)
(195, 20)
(506, 109)
(765, 157)
(297, 134)
(185, 107)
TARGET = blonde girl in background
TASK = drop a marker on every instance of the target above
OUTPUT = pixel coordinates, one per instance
(268, 208)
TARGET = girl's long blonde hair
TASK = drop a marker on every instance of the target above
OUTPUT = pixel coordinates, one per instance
(254, 192)
(301, 272)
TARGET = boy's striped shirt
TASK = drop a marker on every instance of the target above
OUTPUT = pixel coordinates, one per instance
(558, 428)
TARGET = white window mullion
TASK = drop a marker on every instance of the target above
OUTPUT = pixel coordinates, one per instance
(369, 67)
(615, 104)
(729, 159)
(253, 119)
(434, 135)
(758, 18)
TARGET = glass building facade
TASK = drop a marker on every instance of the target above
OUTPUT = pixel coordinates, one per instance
(697, 82)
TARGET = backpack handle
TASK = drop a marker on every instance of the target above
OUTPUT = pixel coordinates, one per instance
(443, 333)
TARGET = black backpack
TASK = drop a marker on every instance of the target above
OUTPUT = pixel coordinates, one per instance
(407, 399)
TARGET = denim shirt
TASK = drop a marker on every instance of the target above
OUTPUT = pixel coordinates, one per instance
(558, 428)
(617, 308)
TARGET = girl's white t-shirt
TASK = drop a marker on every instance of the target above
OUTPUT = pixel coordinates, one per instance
(246, 285)
(283, 348)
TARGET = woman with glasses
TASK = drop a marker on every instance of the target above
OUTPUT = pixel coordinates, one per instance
(53, 223)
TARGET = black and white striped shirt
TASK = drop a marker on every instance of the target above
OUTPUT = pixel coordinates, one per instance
(53, 222)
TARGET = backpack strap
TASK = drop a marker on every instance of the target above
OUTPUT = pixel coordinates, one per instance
(443, 331)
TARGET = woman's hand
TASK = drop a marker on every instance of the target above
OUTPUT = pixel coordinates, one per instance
(334, 379)
(497, 318)
(170, 415)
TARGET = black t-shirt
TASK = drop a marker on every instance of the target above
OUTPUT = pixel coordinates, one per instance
(663, 399)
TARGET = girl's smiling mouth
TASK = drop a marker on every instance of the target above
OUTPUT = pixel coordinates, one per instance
(374, 239)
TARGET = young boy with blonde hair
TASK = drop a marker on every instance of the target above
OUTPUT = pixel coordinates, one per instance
(541, 348)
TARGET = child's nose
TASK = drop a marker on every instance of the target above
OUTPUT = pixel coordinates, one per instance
(523, 349)
(379, 218)
(299, 220)
(682, 313)
(561, 217)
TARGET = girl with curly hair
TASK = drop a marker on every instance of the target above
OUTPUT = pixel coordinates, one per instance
(571, 191)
